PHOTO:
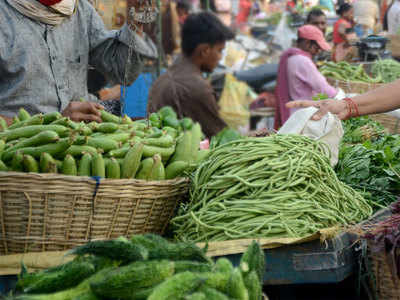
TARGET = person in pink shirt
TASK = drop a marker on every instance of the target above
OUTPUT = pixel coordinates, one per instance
(298, 76)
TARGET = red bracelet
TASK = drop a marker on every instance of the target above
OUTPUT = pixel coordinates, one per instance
(350, 106)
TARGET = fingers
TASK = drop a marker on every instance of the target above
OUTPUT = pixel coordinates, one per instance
(90, 108)
(300, 104)
(80, 116)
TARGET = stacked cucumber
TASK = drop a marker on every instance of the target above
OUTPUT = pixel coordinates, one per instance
(161, 148)
(146, 267)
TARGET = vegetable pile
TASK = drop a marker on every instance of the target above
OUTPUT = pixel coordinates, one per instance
(346, 72)
(387, 69)
(146, 267)
(372, 165)
(161, 148)
(278, 186)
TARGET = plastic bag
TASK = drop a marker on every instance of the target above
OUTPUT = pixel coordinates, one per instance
(284, 35)
(234, 102)
(328, 130)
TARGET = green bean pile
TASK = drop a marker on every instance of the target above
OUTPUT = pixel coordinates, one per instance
(278, 186)
(347, 72)
(388, 69)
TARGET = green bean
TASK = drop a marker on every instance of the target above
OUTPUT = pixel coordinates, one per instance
(279, 186)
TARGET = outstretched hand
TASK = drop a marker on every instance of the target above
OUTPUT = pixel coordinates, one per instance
(83, 111)
(336, 107)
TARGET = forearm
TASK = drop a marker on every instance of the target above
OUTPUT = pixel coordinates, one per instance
(380, 100)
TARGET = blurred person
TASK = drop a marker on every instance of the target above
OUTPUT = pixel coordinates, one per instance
(183, 87)
(244, 12)
(317, 18)
(342, 33)
(393, 17)
(366, 15)
(46, 48)
(298, 76)
(183, 8)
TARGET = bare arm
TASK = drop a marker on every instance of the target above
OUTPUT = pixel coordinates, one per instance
(380, 100)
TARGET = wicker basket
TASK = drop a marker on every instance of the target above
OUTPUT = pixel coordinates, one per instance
(353, 87)
(48, 212)
(385, 286)
(391, 124)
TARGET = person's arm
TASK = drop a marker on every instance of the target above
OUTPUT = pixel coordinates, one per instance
(342, 32)
(109, 50)
(380, 100)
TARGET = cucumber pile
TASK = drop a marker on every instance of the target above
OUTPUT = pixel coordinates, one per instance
(161, 148)
(146, 267)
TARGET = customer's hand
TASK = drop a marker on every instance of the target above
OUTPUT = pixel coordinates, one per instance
(336, 107)
(83, 111)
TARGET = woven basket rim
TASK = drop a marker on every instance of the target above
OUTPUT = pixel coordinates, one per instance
(81, 179)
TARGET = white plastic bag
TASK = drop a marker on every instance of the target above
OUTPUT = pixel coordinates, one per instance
(328, 130)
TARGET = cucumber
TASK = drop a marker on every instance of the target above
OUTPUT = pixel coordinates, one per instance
(23, 115)
(107, 127)
(165, 141)
(47, 163)
(183, 148)
(177, 287)
(253, 260)
(196, 296)
(3, 166)
(167, 111)
(30, 164)
(236, 288)
(150, 151)
(35, 120)
(125, 281)
(157, 171)
(117, 249)
(196, 139)
(171, 121)
(155, 120)
(80, 140)
(191, 266)
(223, 265)
(15, 120)
(107, 117)
(211, 293)
(53, 149)
(3, 124)
(145, 169)
(253, 285)
(171, 131)
(119, 153)
(202, 155)
(98, 166)
(69, 166)
(186, 123)
(175, 169)
(127, 120)
(216, 280)
(29, 131)
(132, 161)
(51, 117)
(2, 146)
(66, 122)
(16, 163)
(120, 137)
(85, 165)
(64, 277)
(105, 144)
(44, 137)
(84, 130)
(78, 151)
(58, 164)
(113, 170)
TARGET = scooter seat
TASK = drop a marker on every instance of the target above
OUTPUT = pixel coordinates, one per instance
(258, 76)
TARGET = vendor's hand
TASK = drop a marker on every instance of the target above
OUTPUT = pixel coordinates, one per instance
(83, 111)
(336, 107)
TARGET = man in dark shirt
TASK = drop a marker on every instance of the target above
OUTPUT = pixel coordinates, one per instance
(183, 86)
